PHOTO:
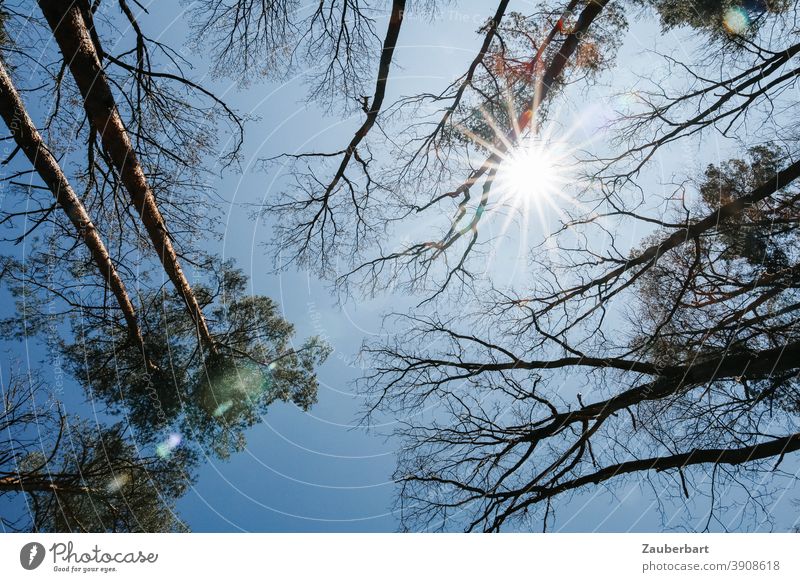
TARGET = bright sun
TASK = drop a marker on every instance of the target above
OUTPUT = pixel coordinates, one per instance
(534, 169)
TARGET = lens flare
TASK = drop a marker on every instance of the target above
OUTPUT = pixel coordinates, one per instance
(231, 387)
(118, 482)
(223, 408)
(536, 170)
(165, 448)
(736, 21)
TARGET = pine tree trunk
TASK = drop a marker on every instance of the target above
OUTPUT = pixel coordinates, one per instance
(74, 40)
(29, 484)
(30, 142)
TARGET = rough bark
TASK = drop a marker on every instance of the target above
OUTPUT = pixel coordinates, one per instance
(80, 55)
(761, 364)
(778, 447)
(26, 484)
(30, 142)
(764, 450)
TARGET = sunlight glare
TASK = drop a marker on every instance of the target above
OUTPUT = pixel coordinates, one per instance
(535, 169)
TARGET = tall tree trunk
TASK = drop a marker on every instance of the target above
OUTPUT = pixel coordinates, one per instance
(29, 484)
(79, 53)
(30, 142)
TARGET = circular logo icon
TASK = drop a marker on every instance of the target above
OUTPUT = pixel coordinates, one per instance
(31, 555)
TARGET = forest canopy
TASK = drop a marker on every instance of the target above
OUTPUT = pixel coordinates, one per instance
(600, 257)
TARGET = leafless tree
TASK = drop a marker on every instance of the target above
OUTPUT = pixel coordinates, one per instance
(452, 147)
(674, 361)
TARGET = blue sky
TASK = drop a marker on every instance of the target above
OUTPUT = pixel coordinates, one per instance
(320, 471)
